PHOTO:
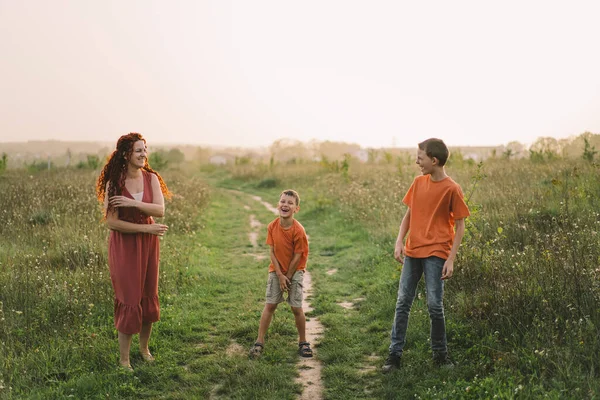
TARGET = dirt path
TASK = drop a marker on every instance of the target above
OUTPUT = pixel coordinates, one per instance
(253, 235)
(309, 368)
(266, 204)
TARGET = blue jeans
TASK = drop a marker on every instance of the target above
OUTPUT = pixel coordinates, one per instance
(411, 274)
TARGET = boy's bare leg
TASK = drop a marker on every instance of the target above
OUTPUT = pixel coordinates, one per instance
(265, 321)
(124, 346)
(300, 323)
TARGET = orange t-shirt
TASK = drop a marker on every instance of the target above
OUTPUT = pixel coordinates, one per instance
(287, 242)
(433, 208)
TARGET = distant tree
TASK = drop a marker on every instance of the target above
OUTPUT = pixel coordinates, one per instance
(336, 150)
(513, 149)
(161, 158)
(577, 145)
(203, 155)
(242, 160)
(38, 165)
(332, 166)
(104, 152)
(548, 147)
(400, 165)
(589, 151)
(69, 155)
(372, 156)
(92, 162)
(3, 162)
(562, 145)
(175, 156)
(346, 165)
(158, 161)
(456, 158)
(389, 157)
(287, 149)
(536, 156)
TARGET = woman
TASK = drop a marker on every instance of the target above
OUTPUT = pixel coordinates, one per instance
(132, 193)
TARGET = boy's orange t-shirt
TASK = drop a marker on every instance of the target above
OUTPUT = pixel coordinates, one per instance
(287, 242)
(433, 208)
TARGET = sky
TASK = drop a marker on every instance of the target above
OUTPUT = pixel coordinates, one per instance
(246, 73)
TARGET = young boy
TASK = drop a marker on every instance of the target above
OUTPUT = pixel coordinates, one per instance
(289, 252)
(435, 206)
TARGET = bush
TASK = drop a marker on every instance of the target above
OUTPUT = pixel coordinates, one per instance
(38, 166)
(3, 162)
(268, 183)
(92, 162)
(158, 161)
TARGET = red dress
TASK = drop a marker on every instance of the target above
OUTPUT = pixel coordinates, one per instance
(133, 261)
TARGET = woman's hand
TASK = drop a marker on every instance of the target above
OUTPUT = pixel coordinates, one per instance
(121, 201)
(157, 229)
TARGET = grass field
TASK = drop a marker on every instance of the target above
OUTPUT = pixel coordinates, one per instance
(523, 310)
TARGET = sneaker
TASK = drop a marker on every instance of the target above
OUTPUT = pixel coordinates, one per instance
(391, 363)
(442, 360)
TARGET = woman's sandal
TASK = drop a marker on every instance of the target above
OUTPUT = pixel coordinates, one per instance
(147, 357)
(125, 367)
(304, 350)
(256, 349)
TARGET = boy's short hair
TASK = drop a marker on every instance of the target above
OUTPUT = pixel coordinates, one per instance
(293, 193)
(435, 148)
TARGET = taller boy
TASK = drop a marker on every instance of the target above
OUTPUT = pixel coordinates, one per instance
(435, 206)
(288, 253)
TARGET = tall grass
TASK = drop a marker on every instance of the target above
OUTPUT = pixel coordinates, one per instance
(55, 294)
(527, 281)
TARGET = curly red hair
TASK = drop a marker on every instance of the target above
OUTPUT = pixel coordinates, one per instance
(115, 169)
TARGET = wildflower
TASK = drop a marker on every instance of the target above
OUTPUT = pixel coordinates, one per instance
(518, 388)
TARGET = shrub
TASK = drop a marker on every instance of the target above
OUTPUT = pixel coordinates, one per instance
(268, 183)
(3, 162)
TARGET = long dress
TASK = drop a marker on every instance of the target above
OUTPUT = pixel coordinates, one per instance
(133, 261)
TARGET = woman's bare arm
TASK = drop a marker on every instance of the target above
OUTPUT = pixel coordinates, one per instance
(154, 209)
(114, 223)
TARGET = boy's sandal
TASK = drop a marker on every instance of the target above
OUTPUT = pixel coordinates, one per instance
(256, 349)
(304, 349)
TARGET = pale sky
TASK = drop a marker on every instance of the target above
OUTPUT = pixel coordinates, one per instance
(246, 73)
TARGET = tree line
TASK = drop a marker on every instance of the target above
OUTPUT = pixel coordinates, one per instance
(332, 154)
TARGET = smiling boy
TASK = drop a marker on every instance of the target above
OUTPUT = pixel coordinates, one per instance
(435, 207)
(288, 253)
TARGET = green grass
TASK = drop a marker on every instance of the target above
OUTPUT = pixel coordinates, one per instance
(211, 300)
(522, 309)
(521, 322)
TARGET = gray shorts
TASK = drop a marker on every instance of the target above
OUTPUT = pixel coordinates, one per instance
(274, 293)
